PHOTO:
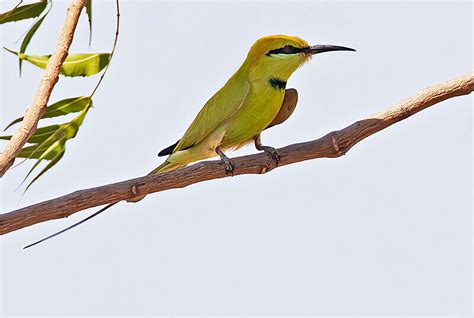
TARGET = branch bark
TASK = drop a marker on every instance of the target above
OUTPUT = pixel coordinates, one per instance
(50, 78)
(334, 144)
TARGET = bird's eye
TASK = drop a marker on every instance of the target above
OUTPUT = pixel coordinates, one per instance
(288, 49)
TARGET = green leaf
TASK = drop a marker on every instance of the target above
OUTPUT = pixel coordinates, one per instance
(54, 146)
(50, 143)
(53, 162)
(23, 12)
(89, 17)
(39, 136)
(63, 107)
(43, 133)
(29, 36)
(86, 64)
(34, 152)
(67, 106)
(54, 152)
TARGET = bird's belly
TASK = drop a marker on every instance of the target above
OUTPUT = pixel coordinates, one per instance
(203, 150)
(251, 119)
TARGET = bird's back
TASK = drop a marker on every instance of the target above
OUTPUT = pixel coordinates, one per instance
(217, 110)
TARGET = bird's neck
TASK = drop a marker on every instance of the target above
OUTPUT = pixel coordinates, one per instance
(264, 76)
(274, 77)
(270, 81)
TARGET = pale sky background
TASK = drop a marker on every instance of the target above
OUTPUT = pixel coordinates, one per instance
(385, 230)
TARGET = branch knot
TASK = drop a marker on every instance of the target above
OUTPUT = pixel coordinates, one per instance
(337, 147)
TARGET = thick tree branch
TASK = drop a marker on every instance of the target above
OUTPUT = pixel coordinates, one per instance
(51, 75)
(333, 145)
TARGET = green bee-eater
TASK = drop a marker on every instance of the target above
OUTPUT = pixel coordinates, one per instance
(250, 101)
(246, 104)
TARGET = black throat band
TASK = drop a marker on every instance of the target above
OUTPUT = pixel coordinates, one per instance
(277, 83)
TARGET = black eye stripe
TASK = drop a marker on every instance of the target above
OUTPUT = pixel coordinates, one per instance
(288, 49)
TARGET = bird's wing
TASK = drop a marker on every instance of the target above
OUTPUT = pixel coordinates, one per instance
(220, 107)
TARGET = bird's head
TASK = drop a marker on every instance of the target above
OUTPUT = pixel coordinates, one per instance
(281, 55)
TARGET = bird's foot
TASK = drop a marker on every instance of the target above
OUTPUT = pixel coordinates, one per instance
(229, 165)
(272, 152)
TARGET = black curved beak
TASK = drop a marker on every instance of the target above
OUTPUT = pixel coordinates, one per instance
(315, 49)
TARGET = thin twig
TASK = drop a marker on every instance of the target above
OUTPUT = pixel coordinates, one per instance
(117, 26)
(36, 20)
(18, 4)
(334, 144)
(50, 78)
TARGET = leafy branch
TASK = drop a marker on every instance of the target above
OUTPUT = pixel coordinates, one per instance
(38, 108)
(49, 143)
(332, 145)
(117, 29)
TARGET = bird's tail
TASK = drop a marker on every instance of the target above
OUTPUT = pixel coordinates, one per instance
(164, 167)
(108, 206)
(167, 166)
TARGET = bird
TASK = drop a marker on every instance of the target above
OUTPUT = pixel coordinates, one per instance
(253, 99)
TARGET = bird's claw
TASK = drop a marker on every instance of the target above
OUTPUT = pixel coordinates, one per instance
(272, 152)
(229, 166)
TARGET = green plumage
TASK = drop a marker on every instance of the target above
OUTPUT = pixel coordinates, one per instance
(243, 107)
